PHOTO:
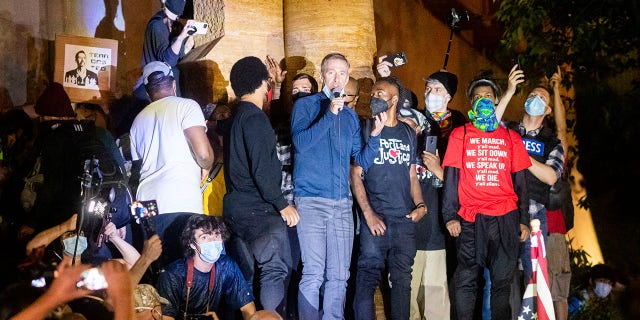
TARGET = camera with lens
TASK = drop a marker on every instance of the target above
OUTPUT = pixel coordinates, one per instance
(456, 19)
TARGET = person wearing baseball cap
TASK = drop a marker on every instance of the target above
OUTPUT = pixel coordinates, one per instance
(170, 149)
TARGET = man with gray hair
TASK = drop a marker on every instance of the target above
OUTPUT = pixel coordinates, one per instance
(326, 136)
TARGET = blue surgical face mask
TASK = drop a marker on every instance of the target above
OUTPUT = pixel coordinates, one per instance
(210, 251)
(331, 93)
(602, 289)
(70, 244)
(534, 106)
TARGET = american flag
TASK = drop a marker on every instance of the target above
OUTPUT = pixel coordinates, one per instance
(537, 302)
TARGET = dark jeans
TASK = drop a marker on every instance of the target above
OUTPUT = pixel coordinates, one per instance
(397, 249)
(294, 277)
(491, 242)
(270, 251)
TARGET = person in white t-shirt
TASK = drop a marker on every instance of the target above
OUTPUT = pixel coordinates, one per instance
(168, 139)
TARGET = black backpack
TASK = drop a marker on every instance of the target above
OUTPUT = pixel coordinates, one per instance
(560, 198)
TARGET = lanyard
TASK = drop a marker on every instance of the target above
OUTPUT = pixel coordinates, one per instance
(212, 280)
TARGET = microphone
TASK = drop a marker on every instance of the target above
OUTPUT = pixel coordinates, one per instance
(336, 92)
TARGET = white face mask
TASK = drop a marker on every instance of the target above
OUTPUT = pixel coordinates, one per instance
(210, 251)
(435, 103)
(602, 289)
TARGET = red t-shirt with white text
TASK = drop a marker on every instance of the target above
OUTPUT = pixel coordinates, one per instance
(486, 161)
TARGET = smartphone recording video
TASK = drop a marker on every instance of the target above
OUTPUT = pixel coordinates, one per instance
(200, 27)
(551, 67)
(92, 279)
(396, 59)
(517, 61)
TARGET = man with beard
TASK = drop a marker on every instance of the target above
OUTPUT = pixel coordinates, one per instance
(254, 205)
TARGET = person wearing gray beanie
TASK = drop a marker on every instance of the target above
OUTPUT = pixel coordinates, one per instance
(429, 271)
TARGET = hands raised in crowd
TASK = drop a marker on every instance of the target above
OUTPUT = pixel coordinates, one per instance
(64, 289)
(44, 238)
(276, 75)
(516, 77)
(186, 35)
(384, 67)
(556, 79)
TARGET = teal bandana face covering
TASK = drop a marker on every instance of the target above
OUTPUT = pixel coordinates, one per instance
(483, 115)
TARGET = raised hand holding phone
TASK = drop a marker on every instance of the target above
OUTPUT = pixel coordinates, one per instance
(431, 158)
(196, 27)
(142, 211)
(397, 59)
(384, 66)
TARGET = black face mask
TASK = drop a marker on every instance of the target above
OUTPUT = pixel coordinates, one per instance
(378, 105)
(299, 95)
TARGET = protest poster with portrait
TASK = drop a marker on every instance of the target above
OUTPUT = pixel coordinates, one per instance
(86, 67)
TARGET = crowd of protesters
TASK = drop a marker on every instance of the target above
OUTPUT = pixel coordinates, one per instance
(265, 207)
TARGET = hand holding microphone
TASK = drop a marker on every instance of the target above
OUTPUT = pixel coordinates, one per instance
(337, 103)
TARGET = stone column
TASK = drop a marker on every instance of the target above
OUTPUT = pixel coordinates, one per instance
(314, 28)
(249, 28)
